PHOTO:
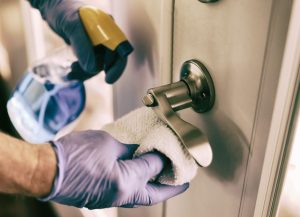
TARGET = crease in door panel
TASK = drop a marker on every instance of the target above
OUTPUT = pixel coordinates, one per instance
(164, 208)
(172, 38)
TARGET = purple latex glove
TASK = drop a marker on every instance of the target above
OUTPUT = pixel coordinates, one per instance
(62, 16)
(96, 171)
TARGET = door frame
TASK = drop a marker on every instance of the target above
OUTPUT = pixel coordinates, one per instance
(282, 118)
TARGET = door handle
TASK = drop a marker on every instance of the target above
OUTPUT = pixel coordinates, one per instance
(195, 89)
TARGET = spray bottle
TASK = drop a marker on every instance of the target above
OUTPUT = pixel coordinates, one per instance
(51, 95)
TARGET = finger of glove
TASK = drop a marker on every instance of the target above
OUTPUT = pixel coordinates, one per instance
(112, 147)
(130, 206)
(64, 18)
(158, 193)
(84, 50)
(129, 152)
(149, 165)
(115, 71)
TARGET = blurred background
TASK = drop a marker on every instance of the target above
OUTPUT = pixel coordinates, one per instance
(24, 39)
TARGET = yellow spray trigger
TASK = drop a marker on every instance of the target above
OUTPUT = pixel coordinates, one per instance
(101, 28)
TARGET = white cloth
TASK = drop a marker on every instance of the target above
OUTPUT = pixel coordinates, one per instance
(143, 127)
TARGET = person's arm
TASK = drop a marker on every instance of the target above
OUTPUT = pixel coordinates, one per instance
(26, 168)
(84, 169)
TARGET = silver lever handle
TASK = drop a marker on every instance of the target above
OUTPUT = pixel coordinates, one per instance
(195, 89)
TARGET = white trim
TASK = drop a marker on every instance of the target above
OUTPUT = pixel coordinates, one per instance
(166, 43)
(281, 114)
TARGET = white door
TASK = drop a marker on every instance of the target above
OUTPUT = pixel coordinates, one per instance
(241, 43)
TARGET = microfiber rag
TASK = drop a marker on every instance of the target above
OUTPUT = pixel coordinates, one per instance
(142, 126)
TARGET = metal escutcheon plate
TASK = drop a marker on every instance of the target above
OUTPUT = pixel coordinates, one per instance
(200, 84)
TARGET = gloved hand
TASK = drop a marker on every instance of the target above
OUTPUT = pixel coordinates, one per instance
(97, 171)
(63, 17)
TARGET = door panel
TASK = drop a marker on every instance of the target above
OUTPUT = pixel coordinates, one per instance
(147, 25)
(230, 38)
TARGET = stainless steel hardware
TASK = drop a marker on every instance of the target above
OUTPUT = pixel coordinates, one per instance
(196, 90)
